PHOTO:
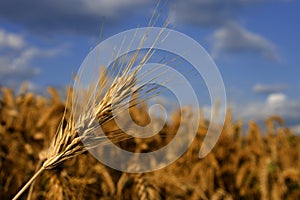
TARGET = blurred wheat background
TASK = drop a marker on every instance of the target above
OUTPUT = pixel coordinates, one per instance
(246, 163)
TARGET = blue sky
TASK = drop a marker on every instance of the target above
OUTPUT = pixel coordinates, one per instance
(255, 44)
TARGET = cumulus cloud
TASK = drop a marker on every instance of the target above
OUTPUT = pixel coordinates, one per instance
(296, 129)
(10, 40)
(222, 14)
(274, 104)
(268, 89)
(19, 67)
(276, 99)
(233, 38)
(76, 16)
(16, 63)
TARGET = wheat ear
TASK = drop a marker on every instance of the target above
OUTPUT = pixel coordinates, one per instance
(69, 139)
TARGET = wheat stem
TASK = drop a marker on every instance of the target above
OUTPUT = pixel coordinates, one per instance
(28, 183)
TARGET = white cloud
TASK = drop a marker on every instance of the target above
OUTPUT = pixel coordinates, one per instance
(16, 64)
(268, 89)
(276, 99)
(25, 57)
(8, 73)
(275, 104)
(232, 38)
(19, 63)
(295, 129)
(10, 40)
(278, 105)
(110, 8)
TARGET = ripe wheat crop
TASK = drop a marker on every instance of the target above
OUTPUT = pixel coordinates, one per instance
(245, 163)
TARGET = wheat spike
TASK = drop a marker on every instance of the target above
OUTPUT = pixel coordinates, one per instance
(78, 135)
(145, 190)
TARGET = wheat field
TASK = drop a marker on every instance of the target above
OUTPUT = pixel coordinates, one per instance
(248, 162)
